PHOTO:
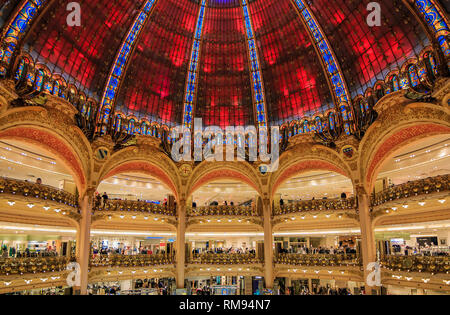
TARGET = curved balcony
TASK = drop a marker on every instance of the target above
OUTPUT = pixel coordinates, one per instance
(134, 206)
(33, 265)
(430, 264)
(420, 187)
(319, 260)
(321, 205)
(131, 260)
(236, 211)
(19, 266)
(15, 187)
(224, 259)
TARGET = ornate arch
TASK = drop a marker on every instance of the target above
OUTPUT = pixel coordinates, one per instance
(396, 127)
(207, 172)
(146, 160)
(307, 157)
(41, 127)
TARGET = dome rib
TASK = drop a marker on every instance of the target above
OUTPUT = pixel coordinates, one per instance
(192, 75)
(18, 27)
(331, 67)
(124, 55)
(436, 24)
(259, 99)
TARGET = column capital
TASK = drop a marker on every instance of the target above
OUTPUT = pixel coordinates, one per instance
(360, 190)
(90, 193)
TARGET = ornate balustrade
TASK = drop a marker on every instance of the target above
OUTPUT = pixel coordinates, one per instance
(134, 206)
(415, 188)
(324, 260)
(431, 264)
(316, 205)
(224, 259)
(14, 266)
(223, 211)
(43, 192)
(131, 260)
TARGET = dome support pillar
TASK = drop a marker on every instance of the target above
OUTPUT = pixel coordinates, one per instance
(84, 241)
(368, 247)
(180, 244)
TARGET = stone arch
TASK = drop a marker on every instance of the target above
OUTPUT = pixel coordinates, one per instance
(396, 127)
(67, 143)
(207, 172)
(305, 158)
(141, 160)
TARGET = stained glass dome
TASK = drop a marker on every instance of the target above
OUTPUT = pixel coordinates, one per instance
(229, 62)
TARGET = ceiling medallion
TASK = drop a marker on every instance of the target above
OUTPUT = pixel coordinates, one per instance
(186, 170)
(349, 152)
(102, 154)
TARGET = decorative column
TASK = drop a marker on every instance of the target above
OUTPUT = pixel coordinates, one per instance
(180, 245)
(84, 239)
(368, 247)
(268, 244)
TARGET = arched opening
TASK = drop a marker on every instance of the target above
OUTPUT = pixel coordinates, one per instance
(38, 203)
(144, 168)
(397, 140)
(44, 141)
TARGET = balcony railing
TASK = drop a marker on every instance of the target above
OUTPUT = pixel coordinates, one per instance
(43, 192)
(430, 264)
(134, 206)
(223, 211)
(315, 206)
(415, 188)
(131, 260)
(14, 266)
(224, 259)
(319, 260)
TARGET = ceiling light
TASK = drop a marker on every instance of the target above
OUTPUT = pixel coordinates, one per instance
(422, 203)
(30, 205)
(405, 206)
(46, 208)
(394, 208)
(441, 201)
(11, 203)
